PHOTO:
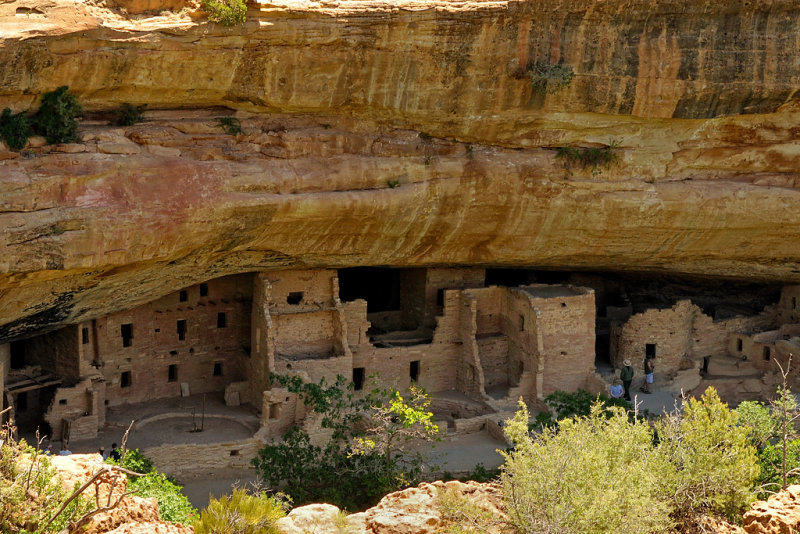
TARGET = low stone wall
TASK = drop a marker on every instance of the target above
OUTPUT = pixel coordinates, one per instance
(178, 460)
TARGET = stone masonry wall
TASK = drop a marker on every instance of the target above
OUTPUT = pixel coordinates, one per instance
(789, 305)
(212, 353)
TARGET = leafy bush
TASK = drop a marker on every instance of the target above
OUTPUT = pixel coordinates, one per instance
(128, 115)
(31, 491)
(231, 125)
(761, 424)
(770, 459)
(714, 465)
(366, 455)
(226, 12)
(547, 78)
(578, 403)
(172, 504)
(14, 129)
(241, 513)
(595, 474)
(56, 118)
(595, 159)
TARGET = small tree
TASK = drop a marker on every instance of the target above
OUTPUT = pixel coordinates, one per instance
(786, 413)
(714, 464)
(56, 119)
(363, 460)
(593, 474)
(761, 424)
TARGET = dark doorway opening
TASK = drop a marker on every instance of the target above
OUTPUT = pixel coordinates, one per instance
(358, 378)
(172, 373)
(217, 368)
(17, 354)
(181, 329)
(127, 334)
(413, 370)
(650, 350)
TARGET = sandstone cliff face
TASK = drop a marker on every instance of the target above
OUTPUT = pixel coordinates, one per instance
(331, 169)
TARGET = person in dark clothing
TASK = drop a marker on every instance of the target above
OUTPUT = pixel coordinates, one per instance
(626, 375)
(114, 454)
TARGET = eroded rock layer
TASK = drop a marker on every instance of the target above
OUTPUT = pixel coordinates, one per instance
(404, 134)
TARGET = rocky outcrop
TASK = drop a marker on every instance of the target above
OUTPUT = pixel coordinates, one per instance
(411, 511)
(395, 134)
(780, 514)
(133, 515)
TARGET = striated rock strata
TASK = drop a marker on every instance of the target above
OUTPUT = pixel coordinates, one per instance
(402, 134)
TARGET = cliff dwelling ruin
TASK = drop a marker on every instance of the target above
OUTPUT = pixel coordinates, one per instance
(477, 339)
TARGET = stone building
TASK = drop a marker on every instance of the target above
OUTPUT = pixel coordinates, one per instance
(476, 349)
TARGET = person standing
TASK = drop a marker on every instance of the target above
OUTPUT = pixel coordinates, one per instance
(626, 375)
(649, 367)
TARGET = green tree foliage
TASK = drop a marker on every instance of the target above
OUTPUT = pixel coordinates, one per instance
(241, 513)
(715, 466)
(57, 117)
(14, 129)
(770, 458)
(172, 503)
(593, 474)
(31, 491)
(569, 404)
(128, 114)
(760, 423)
(365, 457)
(226, 12)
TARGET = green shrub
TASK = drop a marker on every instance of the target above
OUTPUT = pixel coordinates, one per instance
(231, 125)
(770, 459)
(14, 129)
(128, 115)
(757, 418)
(596, 159)
(226, 12)
(594, 474)
(56, 118)
(579, 403)
(241, 513)
(30, 496)
(715, 467)
(548, 78)
(461, 514)
(172, 504)
(366, 456)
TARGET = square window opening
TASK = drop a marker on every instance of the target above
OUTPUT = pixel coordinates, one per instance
(222, 320)
(172, 373)
(217, 368)
(358, 378)
(413, 370)
(62, 402)
(650, 350)
(203, 290)
(125, 379)
(127, 334)
(294, 298)
(183, 296)
(84, 336)
(181, 329)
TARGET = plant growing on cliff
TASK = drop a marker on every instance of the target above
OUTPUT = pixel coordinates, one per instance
(230, 125)
(31, 493)
(597, 158)
(356, 466)
(57, 117)
(14, 129)
(548, 78)
(226, 12)
(172, 503)
(128, 114)
(241, 513)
